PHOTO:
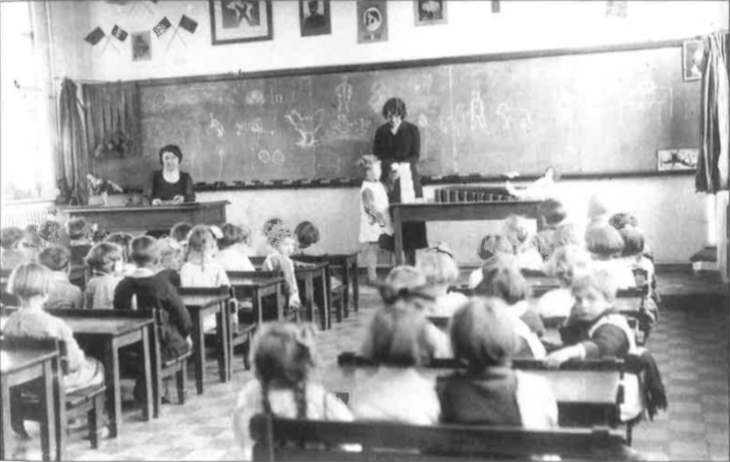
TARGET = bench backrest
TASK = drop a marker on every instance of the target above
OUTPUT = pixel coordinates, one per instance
(323, 440)
(41, 344)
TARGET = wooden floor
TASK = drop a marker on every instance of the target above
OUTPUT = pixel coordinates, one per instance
(690, 345)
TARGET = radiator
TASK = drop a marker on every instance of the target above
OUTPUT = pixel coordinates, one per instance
(21, 215)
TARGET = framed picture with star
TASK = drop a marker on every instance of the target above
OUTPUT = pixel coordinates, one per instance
(236, 21)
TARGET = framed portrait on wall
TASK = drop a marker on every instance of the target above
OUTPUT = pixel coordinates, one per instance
(141, 47)
(430, 12)
(692, 56)
(677, 159)
(314, 17)
(372, 21)
(236, 21)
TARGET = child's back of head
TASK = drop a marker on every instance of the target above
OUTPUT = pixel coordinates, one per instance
(29, 280)
(11, 237)
(568, 234)
(502, 278)
(552, 212)
(491, 245)
(77, 229)
(180, 231)
(438, 266)
(307, 234)
(233, 235)
(283, 353)
(103, 257)
(622, 220)
(171, 253)
(145, 251)
(604, 242)
(399, 338)
(568, 262)
(202, 240)
(123, 240)
(633, 242)
(55, 258)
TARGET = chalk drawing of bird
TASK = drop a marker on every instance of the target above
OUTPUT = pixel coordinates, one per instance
(306, 126)
(216, 126)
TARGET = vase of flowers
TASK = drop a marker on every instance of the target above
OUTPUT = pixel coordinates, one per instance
(103, 187)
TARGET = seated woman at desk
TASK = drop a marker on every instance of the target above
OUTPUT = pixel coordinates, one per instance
(170, 185)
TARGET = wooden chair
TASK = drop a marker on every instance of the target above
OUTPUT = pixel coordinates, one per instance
(87, 402)
(172, 367)
(293, 439)
(339, 292)
(79, 275)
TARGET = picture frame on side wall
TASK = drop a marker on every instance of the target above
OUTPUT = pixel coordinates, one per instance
(372, 21)
(692, 57)
(141, 46)
(314, 17)
(238, 21)
(677, 159)
(429, 12)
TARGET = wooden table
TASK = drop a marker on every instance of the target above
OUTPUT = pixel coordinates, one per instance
(115, 331)
(151, 218)
(199, 306)
(431, 211)
(589, 395)
(256, 288)
(306, 274)
(21, 366)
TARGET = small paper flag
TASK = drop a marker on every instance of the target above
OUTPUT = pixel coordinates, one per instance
(119, 33)
(162, 27)
(95, 36)
(188, 24)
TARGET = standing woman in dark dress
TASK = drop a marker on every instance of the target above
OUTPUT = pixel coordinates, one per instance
(170, 184)
(398, 141)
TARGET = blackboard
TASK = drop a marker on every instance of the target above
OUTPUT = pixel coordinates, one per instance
(582, 113)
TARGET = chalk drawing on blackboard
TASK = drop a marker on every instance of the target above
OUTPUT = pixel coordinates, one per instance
(344, 128)
(344, 94)
(216, 126)
(277, 157)
(255, 126)
(512, 117)
(255, 98)
(159, 100)
(221, 155)
(306, 127)
(264, 156)
(476, 113)
(332, 165)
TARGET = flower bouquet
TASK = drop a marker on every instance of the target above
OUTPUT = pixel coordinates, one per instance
(103, 187)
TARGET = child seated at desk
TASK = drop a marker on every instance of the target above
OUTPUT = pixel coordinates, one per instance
(595, 330)
(284, 247)
(398, 339)
(516, 230)
(171, 260)
(490, 392)
(79, 243)
(503, 279)
(31, 283)
(180, 232)
(567, 263)
(553, 216)
(123, 240)
(489, 246)
(605, 244)
(105, 263)
(61, 293)
(11, 240)
(626, 220)
(233, 248)
(307, 239)
(284, 360)
(438, 265)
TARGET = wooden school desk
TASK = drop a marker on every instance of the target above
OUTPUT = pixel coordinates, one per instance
(255, 285)
(150, 218)
(201, 302)
(455, 211)
(21, 366)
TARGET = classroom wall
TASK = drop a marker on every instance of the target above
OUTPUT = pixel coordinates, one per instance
(673, 216)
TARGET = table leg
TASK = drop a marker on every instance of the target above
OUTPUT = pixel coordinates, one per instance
(279, 303)
(398, 234)
(113, 388)
(7, 432)
(60, 398)
(346, 281)
(355, 287)
(48, 417)
(198, 351)
(222, 320)
(309, 288)
(326, 298)
(147, 411)
(156, 371)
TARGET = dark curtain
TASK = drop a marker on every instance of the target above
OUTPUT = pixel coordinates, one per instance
(712, 165)
(112, 119)
(71, 154)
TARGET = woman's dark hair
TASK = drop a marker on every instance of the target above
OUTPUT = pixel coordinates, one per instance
(394, 106)
(172, 148)
(307, 234)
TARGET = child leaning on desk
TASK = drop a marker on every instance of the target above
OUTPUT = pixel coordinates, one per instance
(31, 283)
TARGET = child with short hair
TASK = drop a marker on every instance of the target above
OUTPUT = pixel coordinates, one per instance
(284, 361)
(598, 211)
(438, 266)
(553, 215)
(105, 262)
(606, 244)
(503, 279)
(123, 240)
(61, 293)
(180, 231)
(566, 263)
(489, 246)
(171, 260)
(79, 244)
(12, 255)
(31, 283)
(280, 260)
(376, 229)
(397, 392)
(308, 237)
(623, 220)
(233, 253)
(490, 392)
(200, 268)
(517, 231)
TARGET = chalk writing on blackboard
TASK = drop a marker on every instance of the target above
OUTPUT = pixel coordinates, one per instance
(277, 157)
(255, 98)
(477, 110)
(514, 117)
(255, 126)
(216, 126)
(306, 127)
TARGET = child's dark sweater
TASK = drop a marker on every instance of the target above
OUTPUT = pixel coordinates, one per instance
(608, 339)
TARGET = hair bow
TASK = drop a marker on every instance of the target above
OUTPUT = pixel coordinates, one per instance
(442, 247)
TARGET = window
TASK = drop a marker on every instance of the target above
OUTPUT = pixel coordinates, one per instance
(26, 155)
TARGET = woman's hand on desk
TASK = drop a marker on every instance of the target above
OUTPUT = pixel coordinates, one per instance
(178, 199)
(156, 202)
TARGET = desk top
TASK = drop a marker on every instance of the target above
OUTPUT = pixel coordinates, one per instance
(18, 359)
(80, 210)
(199, 302)
(252, 282)
(599, 387)
(104, 326)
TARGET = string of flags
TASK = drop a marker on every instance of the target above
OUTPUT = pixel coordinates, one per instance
(186, 23)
